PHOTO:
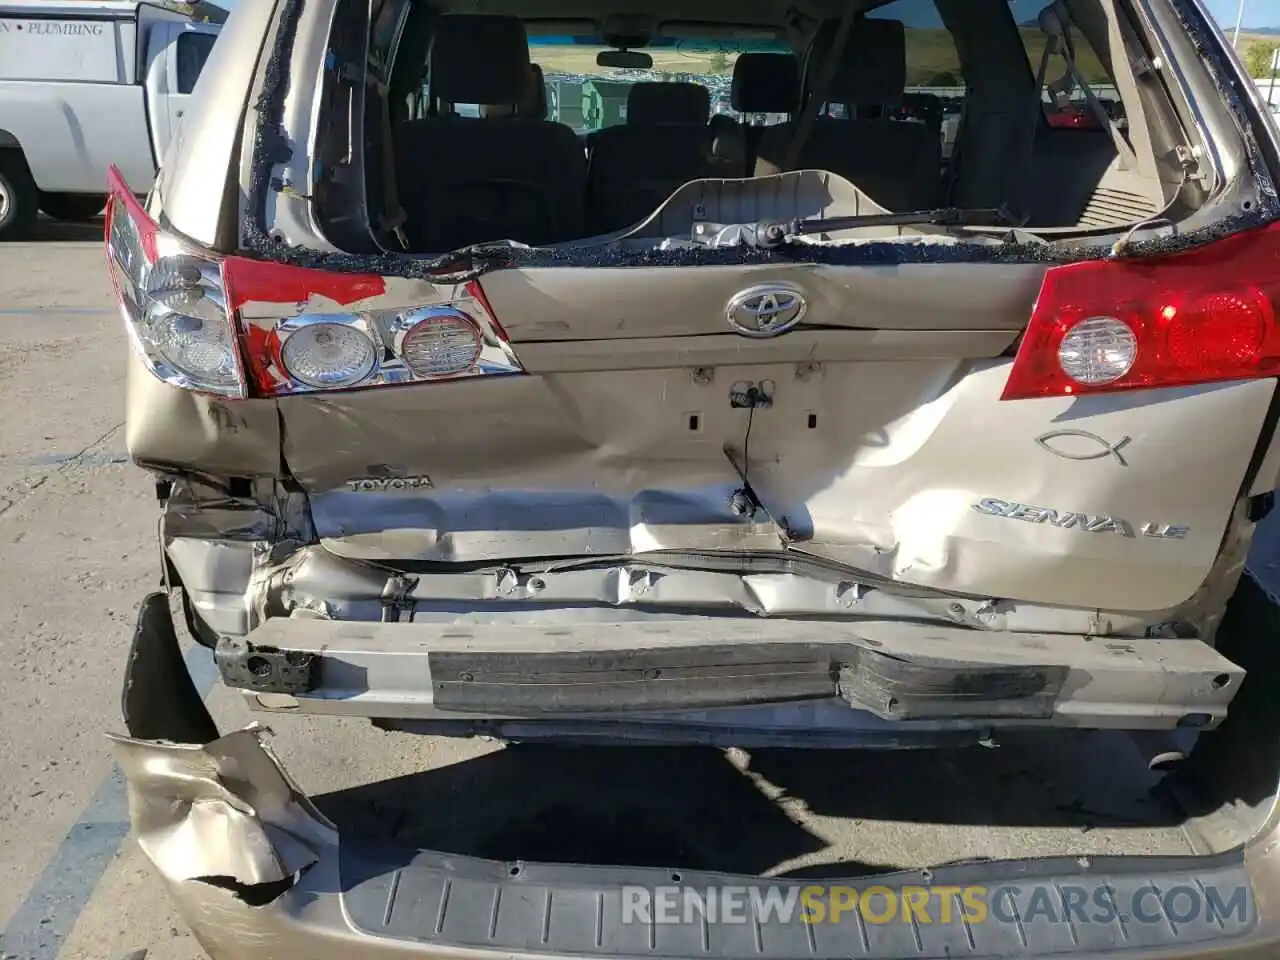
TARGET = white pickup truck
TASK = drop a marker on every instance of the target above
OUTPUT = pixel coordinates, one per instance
(84, 85)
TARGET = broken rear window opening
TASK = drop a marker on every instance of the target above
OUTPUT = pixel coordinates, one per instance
(816, 135)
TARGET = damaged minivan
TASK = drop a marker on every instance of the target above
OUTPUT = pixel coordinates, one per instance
(747, 373)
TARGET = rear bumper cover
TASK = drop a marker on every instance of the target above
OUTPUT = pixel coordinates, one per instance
(257, 871)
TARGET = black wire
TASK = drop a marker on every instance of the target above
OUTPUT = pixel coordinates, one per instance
(750, 494)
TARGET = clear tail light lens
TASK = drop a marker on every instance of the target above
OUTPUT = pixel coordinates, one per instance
(1097, 350)
(324, 353)
(1204, 316)
(237, 327)
(172, 299)
(373, 347)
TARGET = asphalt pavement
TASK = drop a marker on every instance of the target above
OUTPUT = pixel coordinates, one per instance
(77, 552)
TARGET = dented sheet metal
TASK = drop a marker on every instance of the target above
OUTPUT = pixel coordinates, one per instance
(235, 586)
(871, 438)
(870, 445)
(225, 811)
(878, 467)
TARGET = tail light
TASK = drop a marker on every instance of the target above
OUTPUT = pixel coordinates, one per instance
(230, 326)
(173, 300)
(334, 350)
(1204, 316)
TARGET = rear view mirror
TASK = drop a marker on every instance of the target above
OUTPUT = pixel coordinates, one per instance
(624, 59)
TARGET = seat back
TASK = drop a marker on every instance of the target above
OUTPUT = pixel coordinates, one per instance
(659, 102)
(897, 163)
(665, 143)
(502, 176)
(763, 83)
(729, 141)
(925, 108)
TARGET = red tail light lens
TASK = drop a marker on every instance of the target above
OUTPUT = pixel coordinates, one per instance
(223, 325)
(1203, 316)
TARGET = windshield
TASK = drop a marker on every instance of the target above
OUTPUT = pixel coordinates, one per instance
(589, 97)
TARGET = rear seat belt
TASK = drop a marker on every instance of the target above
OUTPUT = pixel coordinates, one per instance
(953, 164)
(392, 218)
(1022, 178)
(818, 92)
(1058, 17)
(1055, 22)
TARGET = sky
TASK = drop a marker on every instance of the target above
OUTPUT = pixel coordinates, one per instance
(1257, 13)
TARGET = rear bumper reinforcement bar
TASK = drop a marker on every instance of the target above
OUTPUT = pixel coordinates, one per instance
(894, 670)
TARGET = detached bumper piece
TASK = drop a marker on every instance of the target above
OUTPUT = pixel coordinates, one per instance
(896, 671)
(258, 872)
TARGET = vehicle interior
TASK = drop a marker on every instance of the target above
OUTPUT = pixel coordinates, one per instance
(586, 116)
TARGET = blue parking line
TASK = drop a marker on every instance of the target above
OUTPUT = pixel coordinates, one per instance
(40, 927)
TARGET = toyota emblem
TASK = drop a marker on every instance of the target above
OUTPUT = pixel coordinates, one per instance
(766, 310)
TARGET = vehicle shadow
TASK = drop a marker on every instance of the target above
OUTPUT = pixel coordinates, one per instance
(699, 810)
(598, 805)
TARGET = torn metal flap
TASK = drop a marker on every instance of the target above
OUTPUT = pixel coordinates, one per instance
(225, 809)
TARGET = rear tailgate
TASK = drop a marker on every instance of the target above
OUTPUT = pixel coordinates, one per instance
(870, 433)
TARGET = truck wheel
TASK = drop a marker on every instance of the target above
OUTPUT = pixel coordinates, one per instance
(72, 207)
(19, 199)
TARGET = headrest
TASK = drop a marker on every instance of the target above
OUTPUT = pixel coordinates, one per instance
(668, 103)
(873, 67)
(479, 58)
(534, 103)
(766, 83)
